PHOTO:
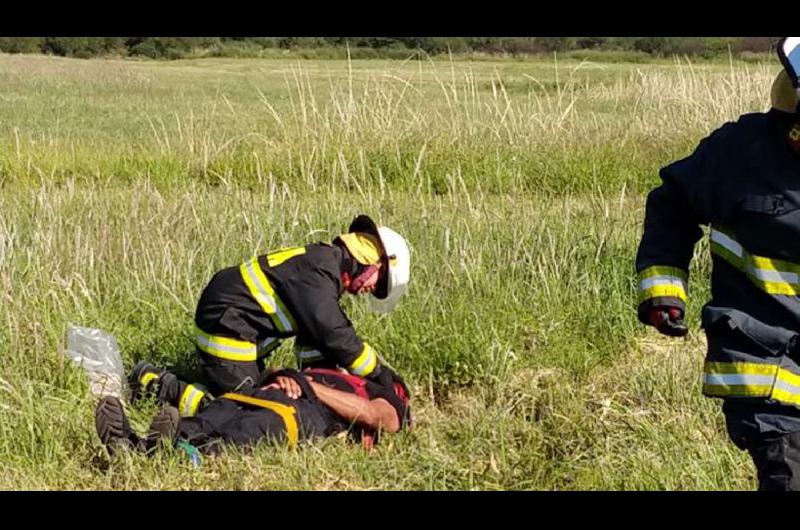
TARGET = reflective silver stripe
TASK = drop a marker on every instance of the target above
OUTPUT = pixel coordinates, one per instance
(308, 354)
(738, 379)
(191, 400)
(725, 241)
(266, 297)
(211, 343)
(662, 280)
(775, 276)
(788, 387)
(369, 359)
(268, 344)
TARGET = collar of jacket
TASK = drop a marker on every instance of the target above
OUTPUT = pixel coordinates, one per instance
(346, 264)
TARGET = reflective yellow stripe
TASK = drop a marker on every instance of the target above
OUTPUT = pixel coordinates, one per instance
(773, 276)
(284, 411)
(146, 378)
(365, 363)
(663, 270)
(264, 294)
(225, 347)
(190, 399)
(279, 256)
(733, 379)
(662, 280)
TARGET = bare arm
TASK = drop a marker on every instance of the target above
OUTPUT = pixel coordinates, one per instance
(375, 413)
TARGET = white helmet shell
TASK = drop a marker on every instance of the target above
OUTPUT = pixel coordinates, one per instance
(398, 275)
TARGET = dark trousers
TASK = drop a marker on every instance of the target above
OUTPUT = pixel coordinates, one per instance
(223, 375)
(777, 460)
(224, 421)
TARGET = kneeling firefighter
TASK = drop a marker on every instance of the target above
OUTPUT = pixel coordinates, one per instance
(743, 181)
(246, 311)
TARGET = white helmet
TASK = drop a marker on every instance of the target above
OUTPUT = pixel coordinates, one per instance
(398, 260)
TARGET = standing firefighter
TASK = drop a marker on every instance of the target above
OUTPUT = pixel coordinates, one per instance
(246, 311)
(743, 181)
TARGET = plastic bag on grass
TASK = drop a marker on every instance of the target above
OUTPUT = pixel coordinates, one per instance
(98, 353)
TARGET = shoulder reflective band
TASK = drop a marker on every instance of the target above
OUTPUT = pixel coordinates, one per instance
(190, 399)
(306, 356)
(264, 294)
(364, 363)
(771, 275)
(661, 280)
(279, 256)
(284, 411)
(751, 380)
(225, 347)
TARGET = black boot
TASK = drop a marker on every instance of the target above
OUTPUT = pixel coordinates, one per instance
(163, 427)
(112, 425)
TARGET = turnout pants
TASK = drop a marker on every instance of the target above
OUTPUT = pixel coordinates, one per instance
(777, 461)
(244, 418)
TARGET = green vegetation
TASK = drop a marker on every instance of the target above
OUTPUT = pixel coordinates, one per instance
(384, 47)
(520, 185)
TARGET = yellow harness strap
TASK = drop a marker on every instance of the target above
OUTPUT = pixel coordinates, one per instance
(284, 411)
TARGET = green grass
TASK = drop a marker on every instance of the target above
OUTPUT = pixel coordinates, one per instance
(519, 184)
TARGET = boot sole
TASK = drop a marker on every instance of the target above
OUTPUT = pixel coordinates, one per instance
(110, 422)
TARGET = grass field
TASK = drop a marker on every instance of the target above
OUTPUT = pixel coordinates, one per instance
(520, 184)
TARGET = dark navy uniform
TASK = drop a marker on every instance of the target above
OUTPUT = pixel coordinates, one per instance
(253, 414)
(743, 181)
(244, 313)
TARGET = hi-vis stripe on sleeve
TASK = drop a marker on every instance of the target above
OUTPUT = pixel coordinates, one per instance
(773, 276)
(190, 400)
(262, 291)
(225, 347)
(661, 280)
(751, 380)
(365, 363)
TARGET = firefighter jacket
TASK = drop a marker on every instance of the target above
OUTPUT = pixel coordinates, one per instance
(743, 182)
(246, 311)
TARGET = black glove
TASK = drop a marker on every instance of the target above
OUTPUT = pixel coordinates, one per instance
(383, 376)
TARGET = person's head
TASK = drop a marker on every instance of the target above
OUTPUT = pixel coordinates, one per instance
(383, 260)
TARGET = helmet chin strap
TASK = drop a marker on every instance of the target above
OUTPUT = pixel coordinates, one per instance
(353, 285)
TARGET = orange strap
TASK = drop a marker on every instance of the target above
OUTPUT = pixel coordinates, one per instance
(284, 411)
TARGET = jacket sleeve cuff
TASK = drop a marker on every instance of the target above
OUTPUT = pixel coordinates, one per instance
(661, 285)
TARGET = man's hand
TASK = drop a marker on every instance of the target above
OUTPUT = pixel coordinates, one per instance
(289, 386)
(668, 320)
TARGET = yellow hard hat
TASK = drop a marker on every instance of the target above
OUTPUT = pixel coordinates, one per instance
(365, 248)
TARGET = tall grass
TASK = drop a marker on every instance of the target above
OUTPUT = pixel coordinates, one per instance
(520, 186)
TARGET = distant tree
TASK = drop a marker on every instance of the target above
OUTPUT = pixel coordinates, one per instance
(21, 44)
(588, 43)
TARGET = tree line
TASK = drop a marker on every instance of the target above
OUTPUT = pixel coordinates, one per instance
(366, 47)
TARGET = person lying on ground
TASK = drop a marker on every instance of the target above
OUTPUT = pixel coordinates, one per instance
(286, 406)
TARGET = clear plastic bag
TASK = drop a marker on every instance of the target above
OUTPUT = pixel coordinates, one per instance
(99, 354)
